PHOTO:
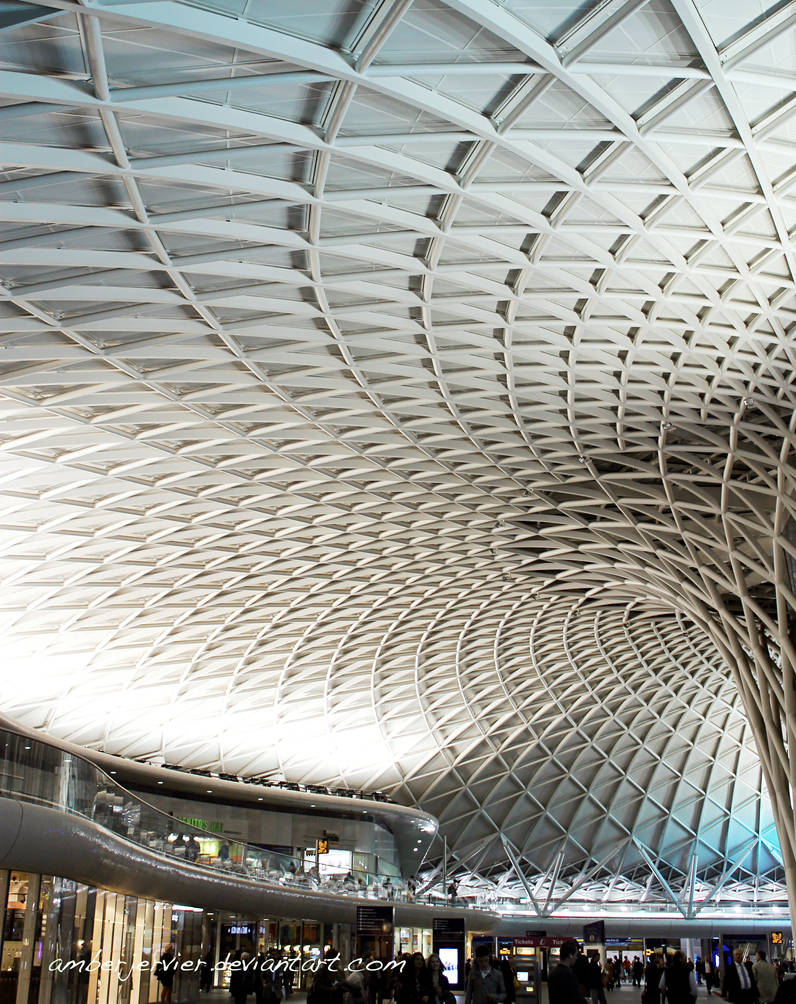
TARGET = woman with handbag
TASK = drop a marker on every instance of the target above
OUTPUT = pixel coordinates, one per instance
(164, 973)
(651, 993)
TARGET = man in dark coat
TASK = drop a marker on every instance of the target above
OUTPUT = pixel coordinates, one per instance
(562, 984)
(739, 982)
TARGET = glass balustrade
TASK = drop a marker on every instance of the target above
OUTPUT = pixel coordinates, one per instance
(34, 771)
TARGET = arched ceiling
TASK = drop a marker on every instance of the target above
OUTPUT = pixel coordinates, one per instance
(401, 394)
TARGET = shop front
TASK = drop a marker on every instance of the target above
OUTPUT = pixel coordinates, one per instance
(69, 943)
(409, 940)
(64, 942)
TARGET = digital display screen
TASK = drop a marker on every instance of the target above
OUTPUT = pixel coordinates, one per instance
(522, 975)
(449, 957)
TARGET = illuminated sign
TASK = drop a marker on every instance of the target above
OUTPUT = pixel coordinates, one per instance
(552, 941)
(449, 957)
(201, 824)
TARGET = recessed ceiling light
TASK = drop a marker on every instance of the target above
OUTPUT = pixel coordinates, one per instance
(160, 782)
(209, 791)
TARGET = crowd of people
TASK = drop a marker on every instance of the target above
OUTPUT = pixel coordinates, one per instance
(417, 981)
(414, 979)
(674, 979)
(576, 979)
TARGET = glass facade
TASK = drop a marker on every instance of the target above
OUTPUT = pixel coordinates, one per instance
(63, 942)
(67, 943)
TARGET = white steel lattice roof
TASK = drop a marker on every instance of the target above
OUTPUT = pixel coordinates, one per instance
(401, 395)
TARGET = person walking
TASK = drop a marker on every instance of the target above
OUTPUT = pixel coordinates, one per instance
(652, 979)
(766, 979)
(699, 969)
(709, 975)
(353, 986)
(414, 986)
(596, 981)
(484, 984)
(739, 984)
(439, 984)
(324, 982)
(266, 981)
(206, 974)
(786, 994)
(638, 971)
(507, 972)
(287, 980)
(241, 981)
(563, 986)
(678, 981)
(164, 973)
(580, 968)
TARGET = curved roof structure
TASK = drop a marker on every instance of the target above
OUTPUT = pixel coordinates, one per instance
(401, 395)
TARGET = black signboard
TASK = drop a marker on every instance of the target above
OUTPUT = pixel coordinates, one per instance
(375, 921)
(448, 944)
(594, 933)
(448, 925)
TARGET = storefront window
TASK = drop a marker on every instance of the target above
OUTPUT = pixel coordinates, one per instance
(18, 935)
(413, 939)
(39, 936)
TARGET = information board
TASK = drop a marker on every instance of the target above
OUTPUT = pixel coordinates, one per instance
(448, 925)
(594, 933)
(375, 921)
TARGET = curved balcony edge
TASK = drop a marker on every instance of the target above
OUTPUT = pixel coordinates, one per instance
(403, 821)
(40, 838)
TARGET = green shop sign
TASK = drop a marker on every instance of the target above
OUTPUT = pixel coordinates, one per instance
(201, 824)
